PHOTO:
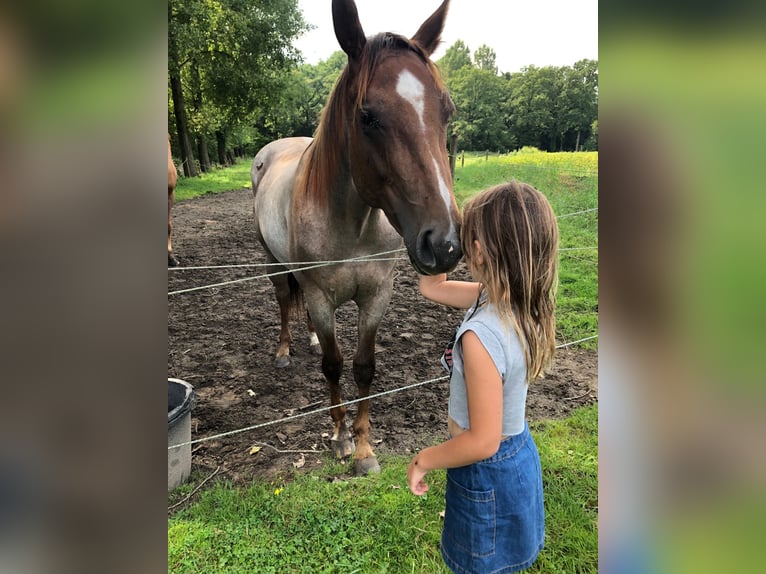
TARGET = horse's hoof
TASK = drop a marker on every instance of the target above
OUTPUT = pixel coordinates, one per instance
(172, 261)
(365, 466)
(282, 362)
(317, 349)
(342, 448)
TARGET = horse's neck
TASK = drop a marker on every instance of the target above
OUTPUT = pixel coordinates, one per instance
(340, 213)
(351, 218)
(346, 209)
(345, 195)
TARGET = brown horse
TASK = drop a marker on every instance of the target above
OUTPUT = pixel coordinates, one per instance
(172, 179)
(375, 173)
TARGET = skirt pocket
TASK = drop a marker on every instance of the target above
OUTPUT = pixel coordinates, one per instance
(470, 519)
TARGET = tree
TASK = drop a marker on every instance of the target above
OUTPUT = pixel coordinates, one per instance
(315, 84)
(580, 94)
(591, 144)
(456, 57)
(179, 40)
(232, 60)
(478, 96)
(534, 108)
(485, 58)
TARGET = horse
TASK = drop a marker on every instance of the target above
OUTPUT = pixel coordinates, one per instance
(375, 175)
(172, 180)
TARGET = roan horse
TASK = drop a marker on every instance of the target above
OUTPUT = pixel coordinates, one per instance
(376, 171)
(172, 179)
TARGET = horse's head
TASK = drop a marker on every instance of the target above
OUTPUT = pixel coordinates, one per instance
(397, 134)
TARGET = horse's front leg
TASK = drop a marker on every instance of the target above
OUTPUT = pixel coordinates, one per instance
(365, 460)
(323, 319)
(370, 315)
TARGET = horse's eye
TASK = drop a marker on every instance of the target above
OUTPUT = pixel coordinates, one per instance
(369, 120)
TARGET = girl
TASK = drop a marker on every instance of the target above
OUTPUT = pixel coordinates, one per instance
(494, 519)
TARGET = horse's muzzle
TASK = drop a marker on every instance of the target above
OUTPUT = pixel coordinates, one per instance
(435, 253)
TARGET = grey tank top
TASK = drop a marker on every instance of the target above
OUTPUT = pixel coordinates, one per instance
(503, 345)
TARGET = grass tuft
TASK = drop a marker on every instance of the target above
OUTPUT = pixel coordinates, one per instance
(215, 181)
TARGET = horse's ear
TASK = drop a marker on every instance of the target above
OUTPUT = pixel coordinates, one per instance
(429, 34)
(348, 29)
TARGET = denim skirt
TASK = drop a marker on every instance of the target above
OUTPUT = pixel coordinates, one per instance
(494, 520)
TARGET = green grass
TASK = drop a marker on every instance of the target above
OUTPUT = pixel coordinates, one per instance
(217, 180)
(308, 523)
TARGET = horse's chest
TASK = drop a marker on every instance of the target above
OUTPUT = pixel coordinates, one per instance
(349, 281)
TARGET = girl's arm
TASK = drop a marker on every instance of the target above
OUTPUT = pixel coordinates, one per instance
(485, 411)
(460, 294)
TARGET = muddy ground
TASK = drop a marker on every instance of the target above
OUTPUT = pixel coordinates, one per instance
(222, 341)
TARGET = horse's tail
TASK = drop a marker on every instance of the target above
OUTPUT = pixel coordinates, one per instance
(297, 303)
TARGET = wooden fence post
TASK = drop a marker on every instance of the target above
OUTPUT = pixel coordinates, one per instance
(452, 154)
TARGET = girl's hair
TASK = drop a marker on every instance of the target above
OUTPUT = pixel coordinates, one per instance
(519, 237)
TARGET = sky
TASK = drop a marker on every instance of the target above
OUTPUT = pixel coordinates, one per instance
(522, 33)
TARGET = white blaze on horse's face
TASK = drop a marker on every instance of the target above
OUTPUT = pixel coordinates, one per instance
(446, 196)
(412, 91)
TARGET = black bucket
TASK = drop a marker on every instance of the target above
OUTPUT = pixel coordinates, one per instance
(181, 400)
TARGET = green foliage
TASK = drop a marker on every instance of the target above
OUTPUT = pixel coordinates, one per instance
(548, 107)
(316, 84)
(234, 58)
(319, 523)
(551, 108)
(457, 57)
(478, 95)
(591, 144)
(485, 59)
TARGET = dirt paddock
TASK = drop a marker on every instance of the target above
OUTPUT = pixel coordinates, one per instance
(222, 341)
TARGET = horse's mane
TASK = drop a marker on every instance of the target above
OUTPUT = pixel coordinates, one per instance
(323, 156)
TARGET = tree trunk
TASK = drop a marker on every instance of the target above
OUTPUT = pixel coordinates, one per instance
(577, 144)
(204, 156)
(179, 110)
(220, 140)
(196, 101)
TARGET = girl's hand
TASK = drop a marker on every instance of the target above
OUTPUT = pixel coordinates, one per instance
(415, 475)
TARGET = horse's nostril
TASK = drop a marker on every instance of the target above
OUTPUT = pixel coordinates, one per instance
(425, 249)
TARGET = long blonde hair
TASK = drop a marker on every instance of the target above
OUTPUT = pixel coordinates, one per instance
(518, 237)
